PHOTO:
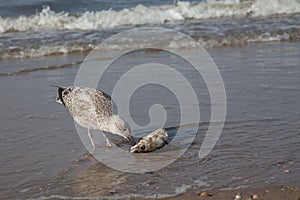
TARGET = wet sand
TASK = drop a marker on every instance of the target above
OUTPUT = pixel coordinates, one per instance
(89, 179)
(271, 193)
(42, 155)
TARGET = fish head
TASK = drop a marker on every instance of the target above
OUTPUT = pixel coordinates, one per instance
(142, 146)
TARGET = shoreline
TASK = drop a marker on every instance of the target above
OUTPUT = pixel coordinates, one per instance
(267, 193)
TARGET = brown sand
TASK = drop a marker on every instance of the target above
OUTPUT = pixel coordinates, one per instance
(282, 192)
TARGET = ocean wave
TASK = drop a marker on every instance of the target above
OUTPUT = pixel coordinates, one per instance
(47, 19)
(51, 67)
(244, 39)
(167, 41)
(39, 51)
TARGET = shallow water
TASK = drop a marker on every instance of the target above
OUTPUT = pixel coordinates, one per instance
(41, 153)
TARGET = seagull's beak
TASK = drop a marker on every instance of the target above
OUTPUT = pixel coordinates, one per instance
(128, 136)
(122, 129)
(130, 139)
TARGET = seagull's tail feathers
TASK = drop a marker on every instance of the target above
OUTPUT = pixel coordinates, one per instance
(60, 91)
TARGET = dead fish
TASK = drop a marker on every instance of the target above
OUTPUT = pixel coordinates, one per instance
(151, 142)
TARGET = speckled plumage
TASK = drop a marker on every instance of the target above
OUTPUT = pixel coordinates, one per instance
(92, 109)
(89, 107)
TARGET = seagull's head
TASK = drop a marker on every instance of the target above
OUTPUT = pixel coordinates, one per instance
(120, 127)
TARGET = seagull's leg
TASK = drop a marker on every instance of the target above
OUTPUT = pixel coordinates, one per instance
(91, 138)
(108, 142)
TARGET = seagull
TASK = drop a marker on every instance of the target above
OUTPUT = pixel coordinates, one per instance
(92, 109)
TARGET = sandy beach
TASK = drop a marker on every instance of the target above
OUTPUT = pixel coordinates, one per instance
(273, 193)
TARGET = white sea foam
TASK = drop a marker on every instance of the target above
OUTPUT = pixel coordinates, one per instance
(43, 51)
(141, 15)
(167, 41)
(178, 190)
(244, 39)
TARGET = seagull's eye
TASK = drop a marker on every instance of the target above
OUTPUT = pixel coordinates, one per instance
(143, 147)
(65, 92)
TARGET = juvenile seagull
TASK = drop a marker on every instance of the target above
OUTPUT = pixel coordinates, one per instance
(92, 109)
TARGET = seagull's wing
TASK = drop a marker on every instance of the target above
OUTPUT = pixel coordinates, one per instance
(103, 103)
(88, 106)
(80, 102)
